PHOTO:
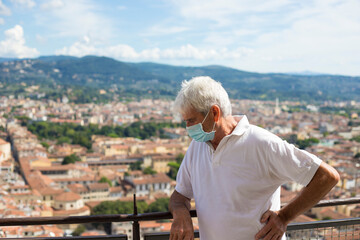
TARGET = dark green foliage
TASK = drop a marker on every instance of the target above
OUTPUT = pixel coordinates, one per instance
(357, 138)
(179, 158)
(160, 205)
(79, 230)
(149, 171)
(77, 134)
(105, 180)
(135, 165)
(140, 80)
(174, 166)
(70, 159)
(23, 118)
(119, 207)
(62, 140)
(303, 144)
(45, 145)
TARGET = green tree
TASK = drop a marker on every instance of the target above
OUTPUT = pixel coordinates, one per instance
(113, 135)
(174, 168)
(105, 180)
(357, 138)
(70, 159)
(135, 165)
(149, 170)
(79, 230)
(179, 158)
(45, 144)
(160, 205)
(119, 207)
(303, 144)
(62, 140)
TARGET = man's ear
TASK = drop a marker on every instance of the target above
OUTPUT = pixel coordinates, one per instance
(215, 109)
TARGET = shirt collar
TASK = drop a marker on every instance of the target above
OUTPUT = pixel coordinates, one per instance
(242, 126)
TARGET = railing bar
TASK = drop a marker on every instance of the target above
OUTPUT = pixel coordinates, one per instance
(335, 202)
(101, 237)
(353, 232)
(320, 224)
(130, 217)
(164, 235)
(87, 219)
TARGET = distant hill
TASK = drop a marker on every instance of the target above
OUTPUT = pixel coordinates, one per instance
(160, 79)
(241, 84)
(7, 59)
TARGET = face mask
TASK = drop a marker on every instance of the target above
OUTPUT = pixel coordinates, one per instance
(197, 133)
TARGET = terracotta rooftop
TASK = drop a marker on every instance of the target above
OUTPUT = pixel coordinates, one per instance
(56, 167)
(71, 212)
(327, 212)
(98, 186)
(67, 197)
(3, 142)
(50, 191)
(116, 189)
(149, 179)
(77, 188)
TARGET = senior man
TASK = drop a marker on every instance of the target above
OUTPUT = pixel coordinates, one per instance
(234, 171)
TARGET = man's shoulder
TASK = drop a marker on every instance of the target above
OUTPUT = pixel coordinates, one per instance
(260, 135)
(196, 145)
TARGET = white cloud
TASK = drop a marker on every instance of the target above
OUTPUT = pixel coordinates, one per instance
(52, 4)
(75, 19)
(4, 10)
(318, 35)
(164, 30)
(324, 39)
(225, 12)
(14, 44)
(126, 52)
(2, 21)
(25, 3)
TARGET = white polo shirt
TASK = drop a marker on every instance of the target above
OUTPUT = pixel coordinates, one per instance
(234, 185)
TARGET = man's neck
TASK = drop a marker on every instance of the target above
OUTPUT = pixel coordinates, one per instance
(225, 127)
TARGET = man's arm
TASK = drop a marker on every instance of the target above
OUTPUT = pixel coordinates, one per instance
(182, 227)
(323, 181)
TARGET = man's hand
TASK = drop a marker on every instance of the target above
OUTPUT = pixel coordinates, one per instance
(182, 227)
(275, 226)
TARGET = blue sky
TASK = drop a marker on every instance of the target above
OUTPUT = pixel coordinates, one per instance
(252, 35)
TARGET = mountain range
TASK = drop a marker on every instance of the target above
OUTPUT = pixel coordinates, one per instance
(155, 79)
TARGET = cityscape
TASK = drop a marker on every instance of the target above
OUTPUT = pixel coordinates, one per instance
(44, 172)
(91, 148)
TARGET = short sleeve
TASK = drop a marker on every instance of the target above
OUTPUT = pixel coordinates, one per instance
(288, 163)
(183, 178)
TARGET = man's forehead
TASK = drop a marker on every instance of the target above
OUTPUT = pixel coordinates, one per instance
(189, 114)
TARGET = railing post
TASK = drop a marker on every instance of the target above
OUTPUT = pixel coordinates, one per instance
(136, 227)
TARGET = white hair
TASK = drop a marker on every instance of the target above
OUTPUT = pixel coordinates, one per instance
(201, 93)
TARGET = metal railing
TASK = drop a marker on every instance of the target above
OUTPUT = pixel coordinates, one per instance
(115, 237)
(329, 229)
(319, 229)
